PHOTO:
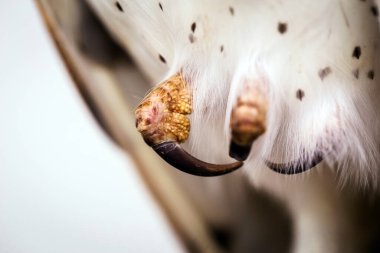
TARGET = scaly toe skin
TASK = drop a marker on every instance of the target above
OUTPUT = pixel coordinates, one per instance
(161, 116)
(248, 121)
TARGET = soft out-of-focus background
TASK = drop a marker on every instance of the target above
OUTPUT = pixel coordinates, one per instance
(64, 186)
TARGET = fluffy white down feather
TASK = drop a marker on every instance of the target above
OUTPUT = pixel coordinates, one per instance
(289, 47)
(217, 44)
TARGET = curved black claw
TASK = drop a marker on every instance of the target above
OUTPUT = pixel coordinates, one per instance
(239, 152)
(295, 167)
(176, 156)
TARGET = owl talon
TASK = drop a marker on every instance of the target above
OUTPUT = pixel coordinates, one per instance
(248, 119)
(161, 118)
(296, 167)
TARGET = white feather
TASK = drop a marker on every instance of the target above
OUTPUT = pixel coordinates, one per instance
(338, 115)
(233, 41)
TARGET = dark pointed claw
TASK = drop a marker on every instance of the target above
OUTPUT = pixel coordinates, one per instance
(295, 167)
(239, 152)
(176, 156)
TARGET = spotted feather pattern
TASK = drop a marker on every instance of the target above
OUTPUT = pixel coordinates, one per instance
(317, 59)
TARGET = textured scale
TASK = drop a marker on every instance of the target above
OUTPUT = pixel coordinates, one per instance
(161, 116)
(248, 116)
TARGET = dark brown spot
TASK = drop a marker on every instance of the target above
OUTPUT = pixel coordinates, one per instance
(355, 72)
(232, 10)
(193, 27)
(357, 52)
(282, 27)
(371, 74)
(119, 7)
(374, 10)
(300, 94)
(221, 48)
(324, 72)
(191, 38)
(160, 5)
(162, 58)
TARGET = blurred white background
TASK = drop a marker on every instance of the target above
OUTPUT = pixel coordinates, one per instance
(64, 186)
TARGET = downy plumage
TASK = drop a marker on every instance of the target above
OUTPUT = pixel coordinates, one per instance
(318, 62)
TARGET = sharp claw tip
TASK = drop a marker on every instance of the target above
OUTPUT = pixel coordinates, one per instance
(173, 154)
(295, 167)
(239, 152)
